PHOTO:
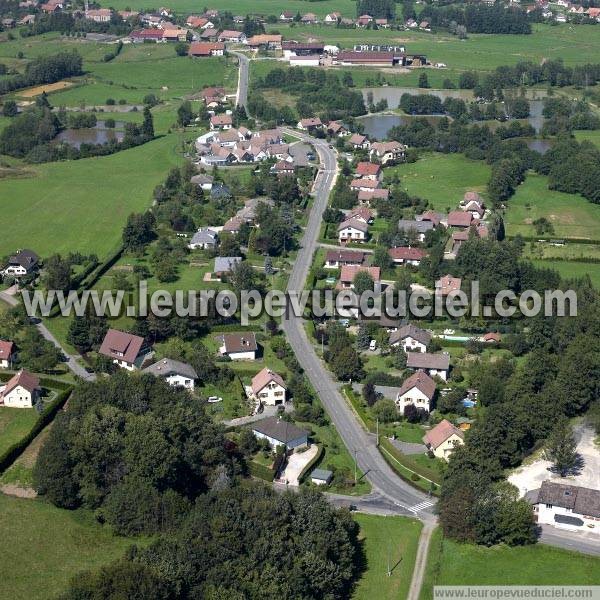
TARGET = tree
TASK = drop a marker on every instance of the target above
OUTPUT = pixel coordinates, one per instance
(363, 339)
(423, 80)
(139, 231)
(385, 410)
(561, 449)
(346, 364)
(58, 273)
(369, 394)
(10, 109)
(181, 49)
(381, 258)
(268, 266)
(148, 124)
(363, 281)
(185, 114)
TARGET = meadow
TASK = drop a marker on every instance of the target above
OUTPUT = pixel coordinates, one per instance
(450, 563)
(571, 215)
(82, 205)
(383, 538)
(15, 423)
(442, 178)
(569, 269)
(48, 546)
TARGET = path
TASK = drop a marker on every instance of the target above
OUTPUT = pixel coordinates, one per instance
(421, 561)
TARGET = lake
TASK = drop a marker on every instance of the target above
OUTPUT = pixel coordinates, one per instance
(91, 135)
(376, 127)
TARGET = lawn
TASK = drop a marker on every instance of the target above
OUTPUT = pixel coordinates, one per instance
(451, 563)
(569, 269)
(387, 541)
(82, 205)
(571, 215)
(591, 136)
(443, 178)
(48, 546)
(14, 424)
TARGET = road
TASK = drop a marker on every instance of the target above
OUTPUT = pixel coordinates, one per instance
(362, 445)
(242, 91)
(70, 360)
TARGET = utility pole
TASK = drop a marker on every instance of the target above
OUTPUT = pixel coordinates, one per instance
(355, 477)
(389, 562)
(378, 431)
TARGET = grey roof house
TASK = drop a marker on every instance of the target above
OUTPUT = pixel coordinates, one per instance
(225, 264)
(204, 238)
(175, 372)
(280, 433)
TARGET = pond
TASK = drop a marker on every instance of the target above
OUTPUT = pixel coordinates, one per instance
(376, 127)
(541, 146)
(91, 135)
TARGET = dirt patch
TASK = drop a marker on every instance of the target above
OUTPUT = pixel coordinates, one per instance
(14, 490)
(48, 88)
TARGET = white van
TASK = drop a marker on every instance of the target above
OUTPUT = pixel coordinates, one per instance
(373, 345)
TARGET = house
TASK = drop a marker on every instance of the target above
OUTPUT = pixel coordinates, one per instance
(442, 439)
(368, 170)
(371, 59)
(209, 35)
(175, 34)
(283, 167)
(7, 354)
(100, 15)
(336, 128)
(435, 217)
(51, 7)
(206, 49)
(361, 213)
(268, 387)
(213, 95)
(280, 433)
(387, 152)
(447, 284)
(198, 22)
(221, 122)
(21, 391)
(411, 338)
(22, 263)
(459, 218)
(146, 35)
(310, 124)
(402, 255)
(432, 364)
(364, 185)
(286, 16)
(474, 207)
(359, 142)
(349, 272)
(424, 25)
(366, 196)
(204, 238)
(174, 372)
(332, 18)
(238, 346)
(417, 390)
(352, 230)
(364, 20)
(492, 338)
(321, 477)
(267, 41)
(127, 351)
(419, 228)
(566, 506)
(232, 226)
(225, 264)
(232, 36)
(203, 181)
(309, 19)
(383, 23)
(8, 23)
(334, 259)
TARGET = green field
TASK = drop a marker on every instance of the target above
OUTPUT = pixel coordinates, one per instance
(82, 205)
(570, 269)
(442, 178)
(387, 538)
(48, 546)
(592, 136)
(571, 215)
(14, 424)
(451, 563)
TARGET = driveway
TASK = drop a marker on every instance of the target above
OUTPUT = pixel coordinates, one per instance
(296, 463)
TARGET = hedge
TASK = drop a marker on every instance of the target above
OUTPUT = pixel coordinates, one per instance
(408, 463)
(8, 457)
(260, 471)
(47, 382)
(311, 463)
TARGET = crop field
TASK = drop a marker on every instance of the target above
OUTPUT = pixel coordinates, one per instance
(571, 215)
(451, 563)
(82, 205)
(443, 178)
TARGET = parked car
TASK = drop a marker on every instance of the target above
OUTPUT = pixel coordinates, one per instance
(373, 345)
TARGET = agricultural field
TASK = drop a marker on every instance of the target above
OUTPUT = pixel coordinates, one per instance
(451, 563)
(49, 545)
(386, 539)
(571, 215)
(442, 178)
(82, 205)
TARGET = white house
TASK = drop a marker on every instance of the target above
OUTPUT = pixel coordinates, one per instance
(221, 122)
(280, 433)
(433, 364)
(174, 372)
(22, 263)
(352, 230)
(410, 338)
(268, 387)
(388, 151)
(566, 506)
(238, 346)
(332, 18)
(443, 439)
(21, 391)
(204, 238)
(7, 354)
(127, 351)
(418, 390)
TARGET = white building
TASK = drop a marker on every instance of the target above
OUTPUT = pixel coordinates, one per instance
(174, 372)
(22, 263)
(280, 433)
(433, 364)
(352, 230)
(269, 388)
(7, 354)
(238, 346)
(21, 391)
(418, 390)
(126, 350)
(443, 439)
(410, 338)
(566, 506)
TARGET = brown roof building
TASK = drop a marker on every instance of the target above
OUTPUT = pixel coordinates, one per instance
(126, 350)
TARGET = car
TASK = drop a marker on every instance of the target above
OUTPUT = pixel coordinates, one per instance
(345, 322)
(373, 345)
(331, 146)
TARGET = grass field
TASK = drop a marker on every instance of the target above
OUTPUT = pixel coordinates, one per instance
(48, 546)
(569, 269)
(14, 424)
(443, 178)
(393, 538)
(571, 215)
(592, 136)
(82, 205)
(451, 563)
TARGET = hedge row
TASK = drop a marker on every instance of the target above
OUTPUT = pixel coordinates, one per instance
(261, 471)
(8, 457)
(47, 382)
(311, 463)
